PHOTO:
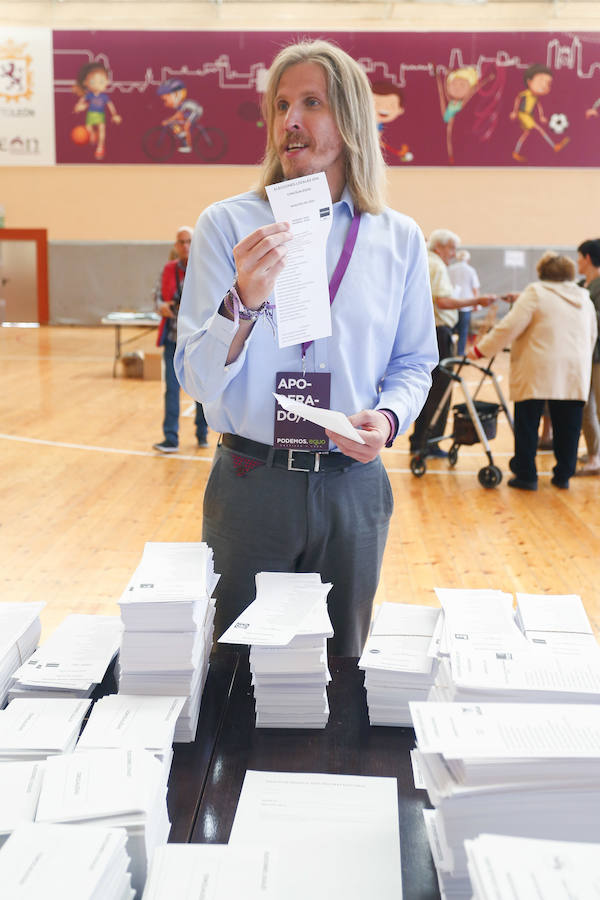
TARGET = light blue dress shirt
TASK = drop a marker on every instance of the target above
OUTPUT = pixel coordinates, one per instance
(383, 344)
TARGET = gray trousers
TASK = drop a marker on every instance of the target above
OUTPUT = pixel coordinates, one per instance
(272, 520)
(591, 414)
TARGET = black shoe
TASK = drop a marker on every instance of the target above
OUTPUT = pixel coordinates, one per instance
(436, 452)
(522, 485)
(203, 444)
(166, 447)
(563, 485)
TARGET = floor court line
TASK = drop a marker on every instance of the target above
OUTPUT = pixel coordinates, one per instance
(91, 447)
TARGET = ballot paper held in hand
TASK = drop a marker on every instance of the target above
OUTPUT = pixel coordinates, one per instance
(331, 419)
(302, 290)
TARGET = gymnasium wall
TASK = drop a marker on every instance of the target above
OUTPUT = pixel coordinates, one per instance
(117, 205)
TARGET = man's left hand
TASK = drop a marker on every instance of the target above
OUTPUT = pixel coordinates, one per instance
(374, 429)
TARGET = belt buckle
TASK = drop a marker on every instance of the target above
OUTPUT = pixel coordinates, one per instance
(292, 468)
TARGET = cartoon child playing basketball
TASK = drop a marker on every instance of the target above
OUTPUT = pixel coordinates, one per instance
(92, 82)
(538, 82)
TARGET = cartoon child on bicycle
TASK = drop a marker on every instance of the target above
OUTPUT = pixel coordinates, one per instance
(91, 85)
(185, 112)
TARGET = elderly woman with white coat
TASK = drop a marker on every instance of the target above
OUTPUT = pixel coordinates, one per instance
(551, 330)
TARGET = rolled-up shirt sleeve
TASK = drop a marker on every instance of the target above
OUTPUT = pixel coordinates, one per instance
(203, 336)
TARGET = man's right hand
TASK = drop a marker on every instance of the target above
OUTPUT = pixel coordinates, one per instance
(259, 259)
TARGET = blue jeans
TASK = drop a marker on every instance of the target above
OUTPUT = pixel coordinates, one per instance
(171, 420)
(462, 330)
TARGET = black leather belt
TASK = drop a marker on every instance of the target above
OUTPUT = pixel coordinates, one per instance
(292, 460)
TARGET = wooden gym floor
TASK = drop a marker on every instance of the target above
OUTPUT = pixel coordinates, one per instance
(82, 490)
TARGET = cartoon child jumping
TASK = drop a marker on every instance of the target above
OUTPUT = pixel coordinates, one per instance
(92, 82)
(538, 83)
(186, 112)
(455, 91)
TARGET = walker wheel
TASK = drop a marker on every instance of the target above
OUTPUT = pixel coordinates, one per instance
(453, 455)
(417, 466)
(489, 476)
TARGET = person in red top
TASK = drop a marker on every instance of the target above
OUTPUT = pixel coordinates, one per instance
(168, 298)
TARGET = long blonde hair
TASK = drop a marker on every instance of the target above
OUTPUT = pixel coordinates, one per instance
(351, 102)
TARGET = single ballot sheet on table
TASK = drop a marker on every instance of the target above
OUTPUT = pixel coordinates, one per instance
(331, 419)
(481, 619)
(283, 601)
(339, 832)
(302, 289)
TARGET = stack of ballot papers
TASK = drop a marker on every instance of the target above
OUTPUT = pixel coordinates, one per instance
(72, 661)
(330, 835)
(396, 662)
(503, 868)
(63, 862)
(526, 770)
(529, 676)
(112, 788)
(133, 721)
(287, 627)
(20, 630)
(168, 614)
(557, 622)
(20, 784)
(37, 729)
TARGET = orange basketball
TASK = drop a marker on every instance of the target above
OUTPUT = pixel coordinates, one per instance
(80, 135)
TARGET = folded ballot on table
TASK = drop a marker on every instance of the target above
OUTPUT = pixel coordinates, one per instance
(113, 788)
(34, 728)
(20, 630)
(63, 862)
(557, 622)
(72, 661)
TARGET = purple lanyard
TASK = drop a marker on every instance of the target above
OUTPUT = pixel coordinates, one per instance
(341, 267)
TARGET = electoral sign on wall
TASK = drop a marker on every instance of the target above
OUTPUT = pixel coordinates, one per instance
(466, 99)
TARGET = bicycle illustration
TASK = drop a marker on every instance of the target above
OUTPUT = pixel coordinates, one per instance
(161, 141)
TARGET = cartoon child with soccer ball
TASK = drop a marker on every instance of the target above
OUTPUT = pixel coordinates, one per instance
(92, 82)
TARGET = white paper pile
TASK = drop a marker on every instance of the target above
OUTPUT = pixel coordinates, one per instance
(218, 871)
(36, 729)
(527, 770)
(61, 862)
(20, 630)
(112, 788)
(530, 676)
(20, 784)
(168, 616)
(331, 835)
(396, 662)
(475, 621)
(133, 721)
(287, 627)
(502, 868)
(556, 621)
(72, 661)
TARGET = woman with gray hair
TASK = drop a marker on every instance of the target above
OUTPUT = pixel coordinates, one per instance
(551, 330)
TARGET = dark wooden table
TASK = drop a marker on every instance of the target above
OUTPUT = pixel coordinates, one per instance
(348, 746)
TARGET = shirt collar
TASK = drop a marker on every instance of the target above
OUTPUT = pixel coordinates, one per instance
(347, 199)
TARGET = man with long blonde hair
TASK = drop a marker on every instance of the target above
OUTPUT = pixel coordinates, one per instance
(271, 509)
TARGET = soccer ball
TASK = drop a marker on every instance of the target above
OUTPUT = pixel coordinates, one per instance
(80, 135)
(558, 123)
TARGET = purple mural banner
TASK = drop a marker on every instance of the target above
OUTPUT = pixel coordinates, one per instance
(464, 99)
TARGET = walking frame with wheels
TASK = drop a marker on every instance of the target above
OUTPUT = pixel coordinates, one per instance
(474, 420)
